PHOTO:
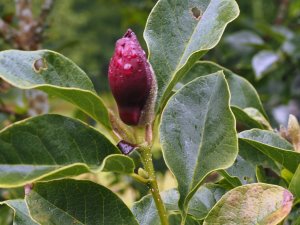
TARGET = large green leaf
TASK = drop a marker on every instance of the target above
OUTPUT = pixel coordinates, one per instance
(178, 33)
(55, 74)
(50, 145)
(77, 202)
(262, 204)
(244, 98)
(245, 166)
(273, 146)
(201, 203)
(21, 213)
(197, 132)
(243, 94)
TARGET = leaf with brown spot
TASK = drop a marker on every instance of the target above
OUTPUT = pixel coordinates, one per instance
(259, 203)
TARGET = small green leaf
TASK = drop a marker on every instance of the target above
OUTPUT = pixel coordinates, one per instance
(201, 203)
(229, 181)
(295, 184)
(262, 204)
(263, 62)
(21, 213)
(118, 164)
(251, 118)
(77, 202)
(197, 133)
(178, 33)
(257, 116)
(273, 146)
(56, 75)
(49, 147)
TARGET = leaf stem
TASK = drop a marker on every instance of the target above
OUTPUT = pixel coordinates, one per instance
(148, 164)
(139, 178)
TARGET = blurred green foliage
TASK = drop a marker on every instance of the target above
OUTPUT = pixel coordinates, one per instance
(263, 46)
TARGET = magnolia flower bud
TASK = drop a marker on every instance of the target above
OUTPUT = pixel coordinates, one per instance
(132, 81)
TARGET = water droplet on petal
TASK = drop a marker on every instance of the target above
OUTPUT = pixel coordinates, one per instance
(120, 62)
(127, 66)
(119, 50)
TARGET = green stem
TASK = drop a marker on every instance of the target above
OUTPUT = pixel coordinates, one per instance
(139, 178)
(183, 219)
(148, 164)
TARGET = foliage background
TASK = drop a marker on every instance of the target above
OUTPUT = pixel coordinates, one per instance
(85, 31)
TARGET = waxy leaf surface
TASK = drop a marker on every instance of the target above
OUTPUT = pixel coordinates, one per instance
(56, 75)
(262, 204)
(197, 133)
(178, 33)
(77, 202)
(48, 147)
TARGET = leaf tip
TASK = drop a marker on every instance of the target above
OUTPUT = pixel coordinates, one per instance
(287, 201)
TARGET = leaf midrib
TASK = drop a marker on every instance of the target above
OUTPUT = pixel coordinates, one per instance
(203, 130)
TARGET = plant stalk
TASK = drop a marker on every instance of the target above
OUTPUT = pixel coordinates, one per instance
(148, 164)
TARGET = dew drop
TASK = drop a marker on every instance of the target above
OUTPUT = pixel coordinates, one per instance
(119, 50)
(134, 54)
(120, 62)
(127, 66)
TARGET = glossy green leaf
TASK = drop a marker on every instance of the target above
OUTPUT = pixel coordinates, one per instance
(56, 75)
(230, 180)
(273, 146)
(245, 166)
(295, 184)
(21, 213)
(49, 147)
(262, 204)
(243, 170)
(198, 127)
(118, 163)
(258, 116)
(201, 203)
(178, 33)
(243, 94)
(249, 120)
(77, 202)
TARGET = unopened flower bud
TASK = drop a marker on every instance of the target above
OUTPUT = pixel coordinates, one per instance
(132, 81)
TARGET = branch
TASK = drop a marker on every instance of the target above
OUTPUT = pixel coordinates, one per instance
(41, 20)
(45, 11)
(282, 10)
(22, 5)
(7, 31)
